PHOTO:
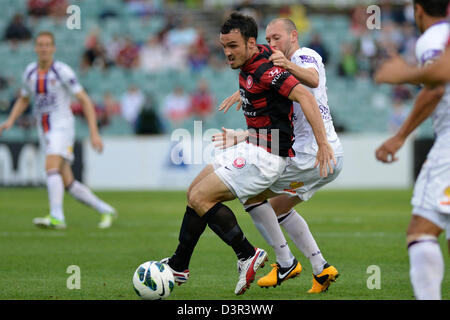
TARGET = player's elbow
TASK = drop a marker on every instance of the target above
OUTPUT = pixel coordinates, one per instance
(438, 92)
(314, 83)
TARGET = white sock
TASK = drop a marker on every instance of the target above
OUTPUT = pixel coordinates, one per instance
(83, 194)
(55, 190)
(426, 267)
(298, 231)
(266, 222)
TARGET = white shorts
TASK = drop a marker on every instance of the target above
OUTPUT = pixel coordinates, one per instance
(248, 170)
(301, 179)
(431, 198)
(58, 142)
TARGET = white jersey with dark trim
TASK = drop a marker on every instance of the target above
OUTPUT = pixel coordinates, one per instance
(429, 47)
(52, 92)
(305, 141)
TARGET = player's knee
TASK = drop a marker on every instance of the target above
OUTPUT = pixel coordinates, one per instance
(195, 199)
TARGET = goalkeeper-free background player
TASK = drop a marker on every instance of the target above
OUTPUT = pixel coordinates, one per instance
(52, 84)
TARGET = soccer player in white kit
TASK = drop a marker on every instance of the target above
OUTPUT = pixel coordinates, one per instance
(431, 198)
(52, 83)
(301, 178)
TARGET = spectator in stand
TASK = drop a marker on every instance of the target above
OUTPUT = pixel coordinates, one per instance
(348, 65)
(17, 31)
(177, 106)
(202, 101)
(317, 45)
(131, 104)
(128, 56)
(37, 8)
(177, 41)
(106, 109)
(198, 53)
(57, 9)
(153, 54)
(111, 105)
(140, 8)
(358, 17)
(148, 121)
(95, 53)
(113, 47)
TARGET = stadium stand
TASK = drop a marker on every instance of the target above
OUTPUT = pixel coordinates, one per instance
(357, 104)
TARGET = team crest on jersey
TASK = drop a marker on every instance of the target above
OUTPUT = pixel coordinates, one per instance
(239, 162)
(249, 82)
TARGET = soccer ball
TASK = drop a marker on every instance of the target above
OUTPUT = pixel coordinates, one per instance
(153, 280)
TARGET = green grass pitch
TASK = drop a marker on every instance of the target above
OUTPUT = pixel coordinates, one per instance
(354, 230)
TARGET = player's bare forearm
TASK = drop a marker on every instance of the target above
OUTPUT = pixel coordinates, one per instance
(89, 111)
(18, 109)
(325, 154)
(426, 102)
(307, 76)
(229, 137)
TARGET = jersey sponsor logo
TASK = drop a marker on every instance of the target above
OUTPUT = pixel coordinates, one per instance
(447, 194)
(274, 72)
(277, 77)
(325, 111)
(293, 186)
(309, 59)
(429, 56)
(249, 82)
(239, 163)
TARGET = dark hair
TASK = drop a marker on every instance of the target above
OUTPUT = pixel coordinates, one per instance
(245, 24)
(46, 33)
(434, 8)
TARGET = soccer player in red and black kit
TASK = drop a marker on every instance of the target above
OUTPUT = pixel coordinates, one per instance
(251, 168)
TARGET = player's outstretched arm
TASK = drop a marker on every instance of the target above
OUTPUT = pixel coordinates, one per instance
(89, 113)
(230, 101)
(396, 70)
(228, 138)
(307, 76)
(19, 107)
(325, 154)
(426, 102)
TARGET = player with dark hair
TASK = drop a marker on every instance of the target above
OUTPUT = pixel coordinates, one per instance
(301, 178)
(52, 83)
(431, 199)
(252, 167)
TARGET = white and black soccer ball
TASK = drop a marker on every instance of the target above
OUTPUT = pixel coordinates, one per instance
(153, 280)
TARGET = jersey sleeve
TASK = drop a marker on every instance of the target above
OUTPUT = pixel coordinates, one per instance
(431, 45)
(279, 80)
(69, 80)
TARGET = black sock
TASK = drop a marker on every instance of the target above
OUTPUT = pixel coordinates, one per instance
(191, 229)
(223, 222)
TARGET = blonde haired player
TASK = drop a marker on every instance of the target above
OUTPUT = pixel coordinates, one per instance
(52, 83)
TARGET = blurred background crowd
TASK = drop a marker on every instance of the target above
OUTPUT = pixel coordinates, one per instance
(151, 66)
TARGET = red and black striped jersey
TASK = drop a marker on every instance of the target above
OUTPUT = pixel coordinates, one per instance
(264, 90)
